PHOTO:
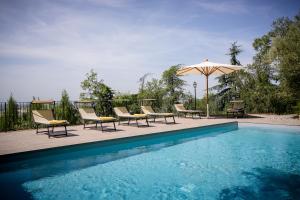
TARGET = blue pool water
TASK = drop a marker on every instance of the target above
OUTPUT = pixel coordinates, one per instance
(222, 162)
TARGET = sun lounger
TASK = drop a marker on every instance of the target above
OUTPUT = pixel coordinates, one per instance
(236, 108)
(88, 114)
(181, 110)
(122, 112)
(150, 112)
(45, 117)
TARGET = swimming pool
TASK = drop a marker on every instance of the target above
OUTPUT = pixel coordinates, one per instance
(218, 162)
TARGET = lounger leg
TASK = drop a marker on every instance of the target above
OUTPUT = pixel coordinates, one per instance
(48, 132)
(37, 129)
(96, 124)
(83, 124)
(52, 129)
(154, 119)
(66, 130)
(114, 126)
(101, 126)
(174, 120)
(165, 120)
(147, 121)
(137, 122)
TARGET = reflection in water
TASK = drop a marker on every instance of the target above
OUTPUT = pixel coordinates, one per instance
(267, 183)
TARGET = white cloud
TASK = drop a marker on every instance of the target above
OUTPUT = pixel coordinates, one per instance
(72, 42)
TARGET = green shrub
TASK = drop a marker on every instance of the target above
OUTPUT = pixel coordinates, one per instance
(66, 110)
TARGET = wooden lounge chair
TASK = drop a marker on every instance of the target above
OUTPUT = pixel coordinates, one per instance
(46, 117)
(122, 112)
(181, 110)
(150, 112)
(236, 108)
(88, 114)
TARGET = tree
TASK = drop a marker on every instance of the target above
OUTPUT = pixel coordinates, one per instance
(90, 85)
(174, 90)
(142, 81)
(11, 114)
(98, 91)
(128, 100)
(234, 51)
(276, 67)
(228, 87)
(258, 93)
(286, 54)
(154, 89)
(66, 110)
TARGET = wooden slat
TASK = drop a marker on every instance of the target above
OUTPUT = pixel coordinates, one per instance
(43, 101)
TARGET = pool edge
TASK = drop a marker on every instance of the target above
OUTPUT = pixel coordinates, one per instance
(4, 157)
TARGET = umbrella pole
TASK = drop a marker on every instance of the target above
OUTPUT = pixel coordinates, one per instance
(207, 106)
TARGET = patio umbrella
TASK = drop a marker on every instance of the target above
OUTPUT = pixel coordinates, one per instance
(208, 68)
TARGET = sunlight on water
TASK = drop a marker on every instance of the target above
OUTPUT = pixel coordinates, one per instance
(249, 163)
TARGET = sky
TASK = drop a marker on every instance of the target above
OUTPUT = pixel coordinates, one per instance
(47, 46)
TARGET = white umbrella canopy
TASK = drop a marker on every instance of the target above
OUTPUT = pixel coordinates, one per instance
(207, 68)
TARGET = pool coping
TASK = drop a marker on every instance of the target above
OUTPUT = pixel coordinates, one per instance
(14, 156)
(272, 124)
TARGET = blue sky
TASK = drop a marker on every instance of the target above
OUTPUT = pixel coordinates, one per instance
(48, 46)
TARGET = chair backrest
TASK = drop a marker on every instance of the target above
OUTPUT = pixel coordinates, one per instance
(87, 113)
(179, 107)
(121, 111)
(147, 109)
(42, 116)
(238, 104)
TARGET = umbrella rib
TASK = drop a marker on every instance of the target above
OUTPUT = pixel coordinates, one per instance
(230, 68)
(213, 69)
(206, 71)
(221, 71)
(185, 70)
(200, 70)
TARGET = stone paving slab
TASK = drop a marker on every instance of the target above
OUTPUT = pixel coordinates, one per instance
(28, 140)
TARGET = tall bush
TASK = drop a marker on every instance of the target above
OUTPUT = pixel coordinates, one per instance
(96, 90)
(66, 110)
(11, 114)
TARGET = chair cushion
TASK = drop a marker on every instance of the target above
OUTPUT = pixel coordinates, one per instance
(106, 118)
(139, 115)
(55, 122)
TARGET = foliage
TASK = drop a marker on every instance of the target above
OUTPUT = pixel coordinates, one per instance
(66, 110)
(2, 123)
(153, 90)
(286, 54)
(297, 108)
(11, 114)
(130, 101)
(271, 84)
(142, 81)
(166, 91)
(276, 68)
(98, 91)
(229, 87)
(173, 87)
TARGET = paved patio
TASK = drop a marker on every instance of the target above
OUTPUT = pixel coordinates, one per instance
(28, 140)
